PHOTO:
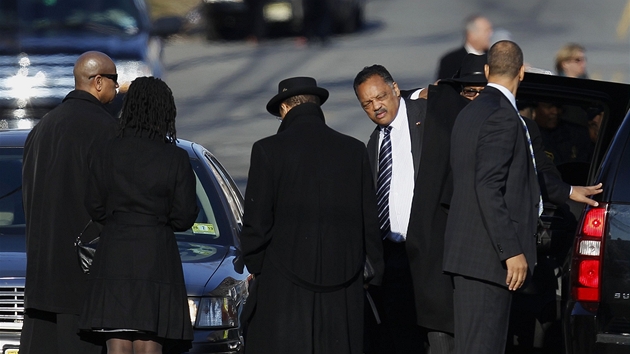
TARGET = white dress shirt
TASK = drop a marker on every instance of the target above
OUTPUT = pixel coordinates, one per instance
(402, 183)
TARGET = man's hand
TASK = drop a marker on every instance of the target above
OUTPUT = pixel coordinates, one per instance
(581, 194)
(516, 271)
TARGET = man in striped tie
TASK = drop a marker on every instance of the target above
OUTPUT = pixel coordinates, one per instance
(409, 161)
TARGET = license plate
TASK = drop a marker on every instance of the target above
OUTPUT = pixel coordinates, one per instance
(278, 12)
(11, 351)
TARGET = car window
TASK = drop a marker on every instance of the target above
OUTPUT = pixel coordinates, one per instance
(621, 192)
(569, 134)
(103, 16)
(11, 209)
(228, 186)
(214, 221)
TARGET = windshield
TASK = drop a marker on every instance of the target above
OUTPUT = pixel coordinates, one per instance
(211, 227)
(11, 210)
(101, 16)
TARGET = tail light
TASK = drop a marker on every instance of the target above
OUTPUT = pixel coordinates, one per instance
(588, 255)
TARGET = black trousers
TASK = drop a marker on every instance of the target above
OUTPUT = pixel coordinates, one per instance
(394, 299)
(482, 315)
(46, 332)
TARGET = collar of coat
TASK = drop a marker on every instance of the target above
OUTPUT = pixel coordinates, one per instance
(300, 113)
(82, 95)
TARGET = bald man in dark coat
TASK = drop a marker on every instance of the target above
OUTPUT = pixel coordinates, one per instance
(55, 175)
(310, 218)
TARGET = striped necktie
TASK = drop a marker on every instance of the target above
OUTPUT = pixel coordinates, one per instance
(531, 151)
(383, 181)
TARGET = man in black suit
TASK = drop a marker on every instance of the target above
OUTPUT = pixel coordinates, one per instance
(309, 221)
(490, 232)
(415, 295)
(56, 173)
(478, 31)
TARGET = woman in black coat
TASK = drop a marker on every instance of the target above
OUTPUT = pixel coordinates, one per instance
(142, 188)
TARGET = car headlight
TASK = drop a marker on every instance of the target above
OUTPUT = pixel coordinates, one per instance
(220, 308)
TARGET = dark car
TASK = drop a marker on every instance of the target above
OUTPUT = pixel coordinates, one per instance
(597, 318)
(234, 17)
(42, 39)
(216, 280)
(586, 115)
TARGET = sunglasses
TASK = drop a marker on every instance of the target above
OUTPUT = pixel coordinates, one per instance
(470, 92)
(113, 77)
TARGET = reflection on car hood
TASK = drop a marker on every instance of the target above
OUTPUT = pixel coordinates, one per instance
(13, 264)
(205, 265)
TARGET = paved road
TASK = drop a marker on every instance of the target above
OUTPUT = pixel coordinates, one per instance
(221, 88)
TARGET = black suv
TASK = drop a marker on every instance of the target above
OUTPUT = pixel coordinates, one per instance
(580, 297)
(597, 317)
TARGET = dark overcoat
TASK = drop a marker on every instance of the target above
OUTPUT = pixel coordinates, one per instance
(55, 174)
(310, 218)
(430, 125)
(142, 189)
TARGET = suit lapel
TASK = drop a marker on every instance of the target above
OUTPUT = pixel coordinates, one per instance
(372, 147)
(415, 117)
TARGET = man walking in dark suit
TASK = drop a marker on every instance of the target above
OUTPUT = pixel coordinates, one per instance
(478, 31)
(490, 235)
(409, 158)
(310, 219)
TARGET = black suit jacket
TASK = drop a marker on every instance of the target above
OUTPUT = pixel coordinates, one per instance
(494, 209)
(450, 63)
(430, 128)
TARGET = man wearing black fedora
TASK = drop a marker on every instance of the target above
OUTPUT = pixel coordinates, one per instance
(309, 221)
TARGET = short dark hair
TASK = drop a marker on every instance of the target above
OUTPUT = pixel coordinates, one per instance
(505, 58)
(370, 71)
(299, 99)
(149, 105)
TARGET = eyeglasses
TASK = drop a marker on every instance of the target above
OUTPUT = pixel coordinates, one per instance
(113, 77)
(470, 92)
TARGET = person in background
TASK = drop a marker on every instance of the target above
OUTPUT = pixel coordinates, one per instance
(477, 37)
(55, 175)
(309, 223)
(142, 188)
(571, 61)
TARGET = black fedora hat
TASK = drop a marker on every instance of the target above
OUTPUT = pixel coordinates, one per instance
(294, 86)
(472, 70)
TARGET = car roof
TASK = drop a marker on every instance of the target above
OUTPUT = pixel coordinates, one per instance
(17, 137)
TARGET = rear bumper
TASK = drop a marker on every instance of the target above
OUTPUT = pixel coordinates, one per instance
(582, 334)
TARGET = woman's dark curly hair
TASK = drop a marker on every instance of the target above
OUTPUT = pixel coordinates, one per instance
(149, 105)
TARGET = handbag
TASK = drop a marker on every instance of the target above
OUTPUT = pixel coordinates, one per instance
(86, 251)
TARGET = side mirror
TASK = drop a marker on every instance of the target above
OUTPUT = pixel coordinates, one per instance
(166, 26)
